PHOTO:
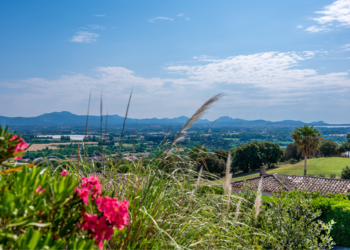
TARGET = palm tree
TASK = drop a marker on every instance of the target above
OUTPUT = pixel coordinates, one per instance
(308, 140)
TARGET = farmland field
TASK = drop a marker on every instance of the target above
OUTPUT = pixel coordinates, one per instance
(316, 166)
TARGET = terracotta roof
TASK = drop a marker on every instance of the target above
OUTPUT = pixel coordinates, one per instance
(273, 183)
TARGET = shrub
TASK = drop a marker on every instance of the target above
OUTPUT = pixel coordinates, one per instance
(293, 224)
(38, 211)
(337, 209)
(345, 173)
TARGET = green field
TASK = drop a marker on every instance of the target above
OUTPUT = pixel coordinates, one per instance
(316, 166)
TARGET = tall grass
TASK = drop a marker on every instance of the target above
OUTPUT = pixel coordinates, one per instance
(172, 205)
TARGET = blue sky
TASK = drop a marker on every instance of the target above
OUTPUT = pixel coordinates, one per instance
(273, 60)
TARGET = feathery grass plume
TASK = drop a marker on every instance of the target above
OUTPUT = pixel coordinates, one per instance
(125, 117)
(105, 137)
(237, 209)
(229, 193)
(101, 120)
(198, 180)
(86, 125)
(165, 137)
(228, 176)
(133, 145)
(258, 200)
(199, 113)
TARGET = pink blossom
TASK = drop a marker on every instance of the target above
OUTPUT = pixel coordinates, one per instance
(90, 222)
(115, 211)
(37, 190)
(92, 183)
(20, 147)
(102, 231)
(63, 173)
(83, 194)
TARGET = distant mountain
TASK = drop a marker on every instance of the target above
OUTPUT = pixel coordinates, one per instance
(65, 118)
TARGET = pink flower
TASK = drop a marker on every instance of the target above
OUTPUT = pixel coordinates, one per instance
(102, 232)
(92, 183)
(83, 194)
(63, 173)
(115, 211)
(90, 222)
(20, 147)
(37, 190)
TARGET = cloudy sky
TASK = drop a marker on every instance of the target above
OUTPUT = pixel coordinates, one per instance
(272, 59)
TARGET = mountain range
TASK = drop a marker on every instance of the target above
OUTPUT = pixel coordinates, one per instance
(66, 118)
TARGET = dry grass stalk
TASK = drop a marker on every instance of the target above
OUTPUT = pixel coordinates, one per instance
(101, 120)
(125, 117)
(87, 120)
(258, 200)
(229, 193)
(228, 176)
(199, 113)
(133, 145)
(237, 209)
(198, 180)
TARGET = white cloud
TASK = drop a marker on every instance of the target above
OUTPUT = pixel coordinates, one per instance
(187, 19)
(160, 18)
(180, 15)
(337, 13)
(300, 26)
(270, 78)
(97, 27)
(100, 15)
(346, 47)
(270, 70)
(84, 37)
(314, 29)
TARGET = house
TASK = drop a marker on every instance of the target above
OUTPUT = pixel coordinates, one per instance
(130, 158)
(346, 154)
(274, 182)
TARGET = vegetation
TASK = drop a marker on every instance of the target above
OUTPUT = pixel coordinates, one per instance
(316, 166)
(329, 148)
(308, 140)
(345, 173)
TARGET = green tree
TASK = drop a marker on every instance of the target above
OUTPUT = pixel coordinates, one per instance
(348, 137)
(213, 164)
(345, 173)
(329, 148)
(271, 152)
(292, 152)
(308, 140)
(197, 152)
(222, 154)
(248, 157)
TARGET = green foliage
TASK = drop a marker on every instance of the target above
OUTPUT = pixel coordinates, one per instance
(345, 173)
(251, 155)
(308, 139)
(213, 164)
(292, 152)
(345, 146)
(197, 152)
(8, 144)
(329, 148)
(38, 211)
(271, 152)
(336, 209)
(292, 222)
(247, 157)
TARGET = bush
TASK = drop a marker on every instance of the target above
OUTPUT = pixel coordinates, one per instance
(292, 222)
(38, 211)
(336, 209)
(329, 148)
(345, 173)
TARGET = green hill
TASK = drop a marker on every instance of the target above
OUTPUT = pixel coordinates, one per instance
(316, 166)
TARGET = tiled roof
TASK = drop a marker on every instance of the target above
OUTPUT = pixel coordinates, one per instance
(273, 183)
